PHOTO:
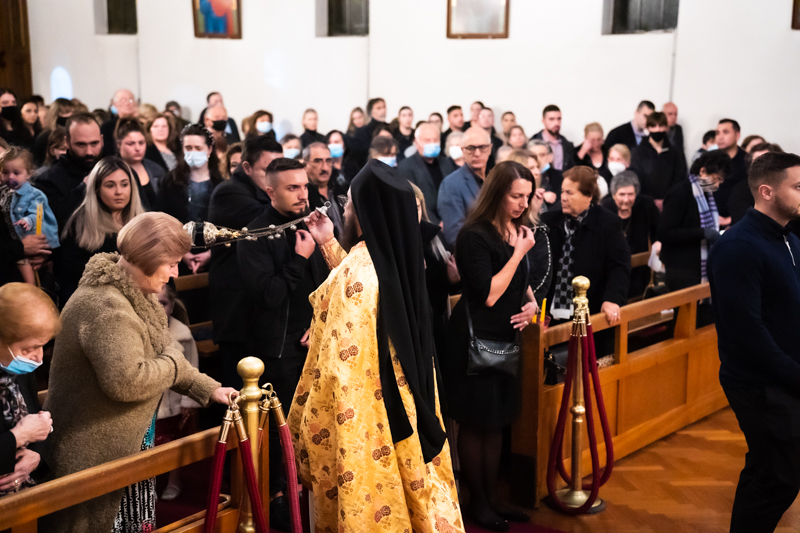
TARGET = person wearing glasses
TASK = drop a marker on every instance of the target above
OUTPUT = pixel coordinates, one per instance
(460, 188)
(279, 275)
(319, 165)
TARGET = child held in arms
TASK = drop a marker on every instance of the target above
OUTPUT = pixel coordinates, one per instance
(19, 201)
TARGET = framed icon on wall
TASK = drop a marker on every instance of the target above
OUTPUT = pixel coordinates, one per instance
(217, 19)
(477, 19)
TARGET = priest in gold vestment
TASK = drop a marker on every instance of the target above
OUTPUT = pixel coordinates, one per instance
(365, 419)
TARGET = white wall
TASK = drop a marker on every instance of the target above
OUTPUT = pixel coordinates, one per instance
(733, 58)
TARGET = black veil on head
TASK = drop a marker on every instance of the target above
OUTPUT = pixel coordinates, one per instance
(387, 212)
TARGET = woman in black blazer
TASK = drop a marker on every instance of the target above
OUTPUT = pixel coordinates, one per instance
(679, 230)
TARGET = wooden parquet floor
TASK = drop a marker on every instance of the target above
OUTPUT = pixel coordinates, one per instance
(682, 483)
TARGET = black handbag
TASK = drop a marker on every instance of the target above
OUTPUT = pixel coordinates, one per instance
(494, 357)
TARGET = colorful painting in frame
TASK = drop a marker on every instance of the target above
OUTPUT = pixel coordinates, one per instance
(217, 19)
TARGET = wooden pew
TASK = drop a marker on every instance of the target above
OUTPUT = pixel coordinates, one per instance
(649, 393)
(20, 511)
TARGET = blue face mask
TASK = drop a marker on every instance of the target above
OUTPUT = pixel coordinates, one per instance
(545, 168)
(195, 159)
(291, 153)
(264, 127)
(114, 110)
(19, 365)
(431, 150)
(337, 150)
(391, 161)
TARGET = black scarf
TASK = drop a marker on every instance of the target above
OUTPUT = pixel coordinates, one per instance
(386, 209)
(563, 292)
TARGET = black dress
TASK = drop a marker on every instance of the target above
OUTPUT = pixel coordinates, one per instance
(69, 261)
(491, 400)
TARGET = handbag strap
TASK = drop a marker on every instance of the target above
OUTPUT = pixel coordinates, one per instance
(522, 303)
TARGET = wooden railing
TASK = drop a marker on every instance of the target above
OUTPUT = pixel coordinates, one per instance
(649, 393)
(21, 511)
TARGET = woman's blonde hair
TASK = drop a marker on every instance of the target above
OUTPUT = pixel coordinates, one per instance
(593, 126)
(421, 200)
(27, 312)
(92, 222)
(623, 151)
(153, 239)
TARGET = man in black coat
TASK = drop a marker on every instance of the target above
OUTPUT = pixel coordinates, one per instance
(428, 167)
(631, 133)
(279, 275)
(455, 122)
(754, 272)
(592, 236)
(563, 151)
(63, 183)
(728, 133)
(656, 162)
(675, 131)
(234, 204)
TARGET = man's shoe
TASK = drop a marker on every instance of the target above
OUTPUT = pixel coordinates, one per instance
(279, 515)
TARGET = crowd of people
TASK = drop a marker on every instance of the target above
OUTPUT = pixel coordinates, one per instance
(93, 205)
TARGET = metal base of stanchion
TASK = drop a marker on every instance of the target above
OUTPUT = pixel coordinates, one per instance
(572, 498)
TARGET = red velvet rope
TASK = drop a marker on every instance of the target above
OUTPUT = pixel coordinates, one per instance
(214, 489)
(556, 460)
(252, 486)
(291, 477)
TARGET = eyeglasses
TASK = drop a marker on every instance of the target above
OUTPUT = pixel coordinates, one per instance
(319, 161)
(481, 148)
(343, 200)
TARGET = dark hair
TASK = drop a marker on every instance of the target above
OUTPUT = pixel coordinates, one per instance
(171, 103)
(56, 137)
(378, 129)
(5, 90)
(586, 178)
(254, 146)
(328, 136)
(749, 139)
(102, 115)
(479, 103)
(767, 147)
(289, 137)
(382, 145)
(549, 108)
(770, 169)
(494, 190)
(172, 136)
(732, 122)
(37, 99)
(404, 108)
(126, 126)
(453, 108)
(710, 135)
(646, 103)
(656, 118)
(209, 95)
(715, 162)
(508, 113)
(80, 118)
(282, 164)
(233, 149)
(436, 113)
(181, 173)
(372, 103)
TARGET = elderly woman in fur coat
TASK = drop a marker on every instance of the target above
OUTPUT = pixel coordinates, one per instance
(111, 365)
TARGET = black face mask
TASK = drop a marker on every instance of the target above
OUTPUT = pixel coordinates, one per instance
(10, 113)
(61, 121)
(219, 125)
(658, 136)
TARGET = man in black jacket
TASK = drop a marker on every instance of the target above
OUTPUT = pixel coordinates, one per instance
(587, 240)
(455, 122)
(428, 167)
(675, 131)
(656, 162)
(279, 275)
(728, 133)
(63, 183)
(631, 133)
(754, 271)
(234, 204)
(563, 151)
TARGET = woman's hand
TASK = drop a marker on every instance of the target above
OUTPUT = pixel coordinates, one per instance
(320, 227)
(524, 318)
(304, 342)
(220, 395)
(524, 242)
(550, 197)
(32, 428)
(200, 261)
(611, 310)
(27, 461)
(452, 270)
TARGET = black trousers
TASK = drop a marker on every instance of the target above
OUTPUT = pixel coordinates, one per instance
(284, 374)
(770, 480)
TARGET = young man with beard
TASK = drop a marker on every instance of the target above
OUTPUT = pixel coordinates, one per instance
(279, 275)
(65, 182)
(365, 419)
(754, 271)
(563, 150)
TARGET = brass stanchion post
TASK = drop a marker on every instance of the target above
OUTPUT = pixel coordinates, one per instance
(575, 496)
(250, 369)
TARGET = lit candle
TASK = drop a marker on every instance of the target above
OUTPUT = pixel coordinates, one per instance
(544, 304)
(39, 213)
